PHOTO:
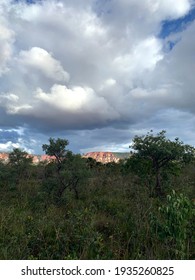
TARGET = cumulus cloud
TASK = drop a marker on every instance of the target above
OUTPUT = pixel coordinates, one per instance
(40, 60)
(168, 8)
(6, 46)
(16, 138)
(97, 66)
(5, 147)
(9, 146)
(75, 107)
(132, 65)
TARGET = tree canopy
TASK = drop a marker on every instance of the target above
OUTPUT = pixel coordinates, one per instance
(161, 151)
(56, 148)
(18, 157)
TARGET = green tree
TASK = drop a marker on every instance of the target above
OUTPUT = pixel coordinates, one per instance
(70, 169)
(161, 153)
(19, 158)
(20, 162)
(75, 172)
(91, 162)
(5, 174)
(57, 149)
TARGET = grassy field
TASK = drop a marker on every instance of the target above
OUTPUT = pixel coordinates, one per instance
(114, 217)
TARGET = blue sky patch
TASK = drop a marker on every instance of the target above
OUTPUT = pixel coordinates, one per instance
(8, 135)
(173, 26)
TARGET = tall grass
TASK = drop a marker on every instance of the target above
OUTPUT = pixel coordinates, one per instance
(115, 217)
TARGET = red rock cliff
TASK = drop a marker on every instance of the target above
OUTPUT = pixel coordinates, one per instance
(104, 157)
(4, 157)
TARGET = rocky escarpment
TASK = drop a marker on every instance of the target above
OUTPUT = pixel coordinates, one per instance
(4, 157)
(103, 157)
(106, 157)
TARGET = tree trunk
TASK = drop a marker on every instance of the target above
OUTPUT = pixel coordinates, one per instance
(158, 189)
(62, 187)
(74, 186)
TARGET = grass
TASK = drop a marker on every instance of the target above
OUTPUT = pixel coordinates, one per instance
(114, 218)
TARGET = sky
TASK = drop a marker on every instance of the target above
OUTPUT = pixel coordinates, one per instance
(95, 72)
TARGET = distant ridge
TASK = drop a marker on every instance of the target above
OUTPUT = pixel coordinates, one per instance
(103, 157)
(4, 157)
(106, 157)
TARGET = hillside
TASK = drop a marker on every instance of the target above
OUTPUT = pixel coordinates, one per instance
(106, 157)
(4, 157)
(103, 157)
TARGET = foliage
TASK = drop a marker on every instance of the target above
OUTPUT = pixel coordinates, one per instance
(19, 162)
(57, 149)
(70, 169)
(104, 212)
(19, 158)
(162, 153)
(174, 223)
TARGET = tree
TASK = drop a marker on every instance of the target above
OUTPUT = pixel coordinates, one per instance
(19, 158)
(91, 162)
(70, 168)
(161, 152)
(75, 172)
(20, 161)
(56, 148)
(5, 174)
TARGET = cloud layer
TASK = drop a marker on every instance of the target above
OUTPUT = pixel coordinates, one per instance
(96, 71)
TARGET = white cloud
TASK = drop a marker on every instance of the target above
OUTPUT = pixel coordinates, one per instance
(5, 147)
(6, 42)
(39, 59)
(169, 8)
(142, 57)
(7, 97)
(74, 99)
(16, 138)
(66, 107)
(93, 64)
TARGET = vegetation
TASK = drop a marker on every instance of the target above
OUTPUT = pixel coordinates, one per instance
(76, 208)
(161, 153)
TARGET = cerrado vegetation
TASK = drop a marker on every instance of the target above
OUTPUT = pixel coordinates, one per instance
(77, 208)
